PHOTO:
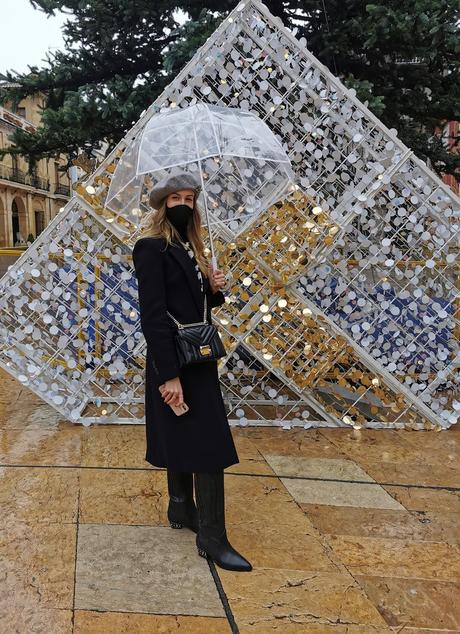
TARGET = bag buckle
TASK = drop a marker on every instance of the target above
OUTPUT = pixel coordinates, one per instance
(205, 350)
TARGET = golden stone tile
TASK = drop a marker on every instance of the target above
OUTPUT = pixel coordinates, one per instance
(314, 628)
(416, 630)
(38, 494)
(10, 388)
(19, 613)
(265, 597)
(370, 443)
(447, 474)
(414, 602)
(343, 434)
(114, 446)
(309, 467)
(420, 499)
(251, 466)
(119, 623)
(251, 460)
(292, 442)
(27, 413)
(261, 499)
(38, 562)
(245, 447)
(150, 569)
(281, 544)
(379, 557)
(391, 446)
(367, 522)
(117, 496)
(436, 445)
(440, 526)
(383, 452)
(340, 493)
(42, 446)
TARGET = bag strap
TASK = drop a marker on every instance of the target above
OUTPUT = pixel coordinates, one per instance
(197, 323)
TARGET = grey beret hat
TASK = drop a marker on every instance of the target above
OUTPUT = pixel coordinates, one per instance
(173, 183)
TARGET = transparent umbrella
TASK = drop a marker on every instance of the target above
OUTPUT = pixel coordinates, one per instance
(242, 167)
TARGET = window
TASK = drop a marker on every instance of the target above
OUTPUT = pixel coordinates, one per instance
(39, 221)
(15, 221)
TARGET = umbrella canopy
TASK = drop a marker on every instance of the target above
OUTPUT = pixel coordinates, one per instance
(242, 166)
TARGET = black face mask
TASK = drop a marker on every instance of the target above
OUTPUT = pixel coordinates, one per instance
(179, 216)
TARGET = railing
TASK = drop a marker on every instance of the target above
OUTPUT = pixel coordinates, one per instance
(18, 176)
(16, 120)
(63, 189)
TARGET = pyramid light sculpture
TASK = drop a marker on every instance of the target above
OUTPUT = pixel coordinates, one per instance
(344, 309)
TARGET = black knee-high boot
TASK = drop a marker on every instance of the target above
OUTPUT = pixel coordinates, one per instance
(211, 539)
(181, 508)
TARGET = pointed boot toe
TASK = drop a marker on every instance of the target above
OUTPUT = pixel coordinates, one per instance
(222, 553)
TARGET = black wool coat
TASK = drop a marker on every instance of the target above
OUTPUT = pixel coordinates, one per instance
(201, 439)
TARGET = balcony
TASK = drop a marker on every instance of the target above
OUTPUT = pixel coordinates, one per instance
(18, 176)
(63, 190)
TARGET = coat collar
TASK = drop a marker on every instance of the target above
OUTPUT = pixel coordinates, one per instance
(184, 260)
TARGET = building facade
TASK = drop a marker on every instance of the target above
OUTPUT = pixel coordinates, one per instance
(28, 202)
(449, 132)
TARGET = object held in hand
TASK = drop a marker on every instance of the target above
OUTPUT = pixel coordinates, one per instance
(227, 277)
(180, 409)
(177, 409)
(228, 281)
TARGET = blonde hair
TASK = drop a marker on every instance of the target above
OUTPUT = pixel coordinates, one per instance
(155, 224)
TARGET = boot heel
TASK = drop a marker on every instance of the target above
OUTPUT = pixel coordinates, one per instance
(202, 553)
(175, 525)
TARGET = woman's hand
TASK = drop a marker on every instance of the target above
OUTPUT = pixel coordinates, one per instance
(217, 281)
(171, 391)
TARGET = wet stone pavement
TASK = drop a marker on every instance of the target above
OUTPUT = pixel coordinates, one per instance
(348, 532)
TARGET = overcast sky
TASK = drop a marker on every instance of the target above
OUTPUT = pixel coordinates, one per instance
(26, 35)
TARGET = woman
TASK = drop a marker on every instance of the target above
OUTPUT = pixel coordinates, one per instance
(173, 275)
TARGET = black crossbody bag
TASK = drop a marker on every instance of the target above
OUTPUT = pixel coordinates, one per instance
(197, 342)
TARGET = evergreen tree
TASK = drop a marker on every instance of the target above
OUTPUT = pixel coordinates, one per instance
(402, 58)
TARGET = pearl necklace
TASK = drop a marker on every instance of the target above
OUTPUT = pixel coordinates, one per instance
(188, 247)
